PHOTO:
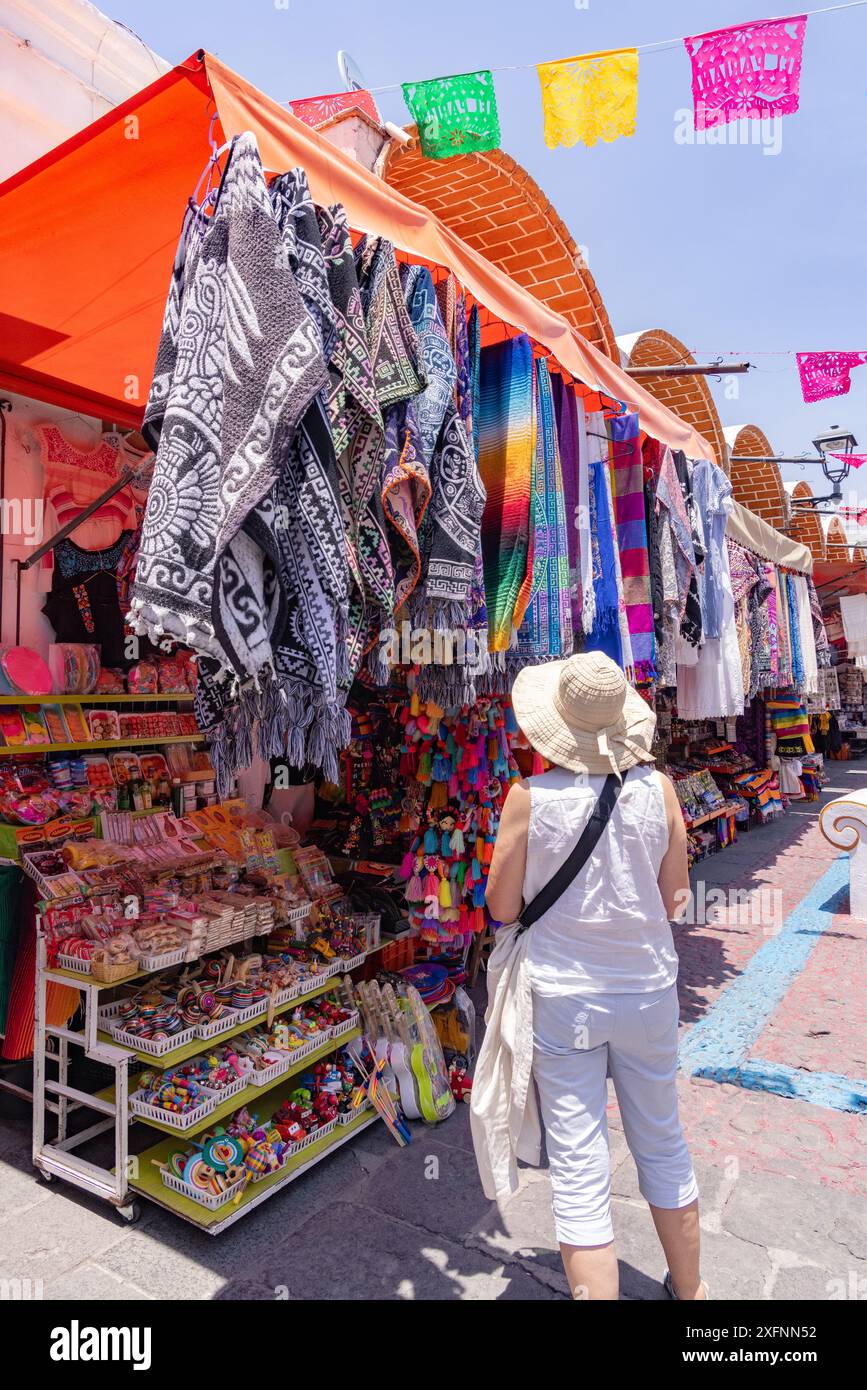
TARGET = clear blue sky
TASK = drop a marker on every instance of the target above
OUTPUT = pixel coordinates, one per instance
(727, 247)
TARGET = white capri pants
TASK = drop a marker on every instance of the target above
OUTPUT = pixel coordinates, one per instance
(577, 1043)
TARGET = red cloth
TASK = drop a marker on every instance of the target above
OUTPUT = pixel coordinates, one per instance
(60, 1004)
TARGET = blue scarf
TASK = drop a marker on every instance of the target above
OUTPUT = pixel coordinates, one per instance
(794, 628)
(605, 634)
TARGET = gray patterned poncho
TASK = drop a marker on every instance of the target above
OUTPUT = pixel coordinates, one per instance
(240, 367)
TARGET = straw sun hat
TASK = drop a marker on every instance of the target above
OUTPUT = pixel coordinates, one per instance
(583, 715)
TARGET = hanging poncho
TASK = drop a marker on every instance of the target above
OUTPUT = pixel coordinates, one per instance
(236, 374)
(290, 562)
(353, 408)
(451, 527)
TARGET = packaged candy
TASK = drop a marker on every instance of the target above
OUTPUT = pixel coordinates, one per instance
(110, 682)
(142, 679)
(12, 727)
(74, 667)
(55, 724)
(76, 723)
(103, 725)
(172, 676)
(34, 724)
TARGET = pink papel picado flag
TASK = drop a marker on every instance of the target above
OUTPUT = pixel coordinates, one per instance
(751, 70)
(825, 374)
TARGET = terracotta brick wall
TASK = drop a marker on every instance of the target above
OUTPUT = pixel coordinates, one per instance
(499, 210)
(805, 525)
(836, 546)
(688, 396)
(757, 485)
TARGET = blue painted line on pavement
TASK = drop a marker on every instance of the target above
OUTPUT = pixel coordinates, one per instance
(718, 1045)
(817, 1087)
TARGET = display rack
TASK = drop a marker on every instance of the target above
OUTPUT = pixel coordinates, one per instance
(183, 697)
(31, 749)
(128, 1178)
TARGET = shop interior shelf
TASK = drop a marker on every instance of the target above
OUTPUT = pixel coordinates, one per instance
(147, 1179)
(192, 1049)
(251, 1095)
(28, 750)
(184, 697)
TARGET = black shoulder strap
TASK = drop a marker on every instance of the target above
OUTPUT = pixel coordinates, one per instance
(571, 868)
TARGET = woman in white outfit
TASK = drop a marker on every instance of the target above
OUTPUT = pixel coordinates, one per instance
(601, 960)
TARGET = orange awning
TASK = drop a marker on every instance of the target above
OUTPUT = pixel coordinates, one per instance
(88, 233)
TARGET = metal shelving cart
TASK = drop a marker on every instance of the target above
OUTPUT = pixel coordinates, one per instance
(130, 1177)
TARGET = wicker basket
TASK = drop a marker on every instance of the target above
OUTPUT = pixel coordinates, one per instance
(112, 974)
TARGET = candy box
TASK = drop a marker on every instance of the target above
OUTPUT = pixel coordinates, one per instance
(103, 724)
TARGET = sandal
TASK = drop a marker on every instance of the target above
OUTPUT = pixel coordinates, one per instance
(669, 1287)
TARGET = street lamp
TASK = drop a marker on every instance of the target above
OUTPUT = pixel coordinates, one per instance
(836, 442)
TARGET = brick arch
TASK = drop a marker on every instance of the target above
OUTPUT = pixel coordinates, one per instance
(805, 526)
(859, 555)
(757, 485)
(836, 540)
(499, 210)
(688, 396)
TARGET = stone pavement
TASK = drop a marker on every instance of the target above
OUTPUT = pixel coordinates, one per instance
(782, 1182)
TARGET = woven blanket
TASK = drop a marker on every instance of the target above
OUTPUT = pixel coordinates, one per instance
(546, 631)
(450, 530)
(571, 443)
(507, 442)
(628, 474)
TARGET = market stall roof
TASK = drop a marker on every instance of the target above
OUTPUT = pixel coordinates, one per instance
(756, 535)
(88, 233)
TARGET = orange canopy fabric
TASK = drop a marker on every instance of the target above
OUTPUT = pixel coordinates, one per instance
(88, 233)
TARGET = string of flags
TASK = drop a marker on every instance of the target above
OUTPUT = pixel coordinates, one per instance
(750, 71)
(746, 70)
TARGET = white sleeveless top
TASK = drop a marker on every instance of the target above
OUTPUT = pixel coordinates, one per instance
(609, 932)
